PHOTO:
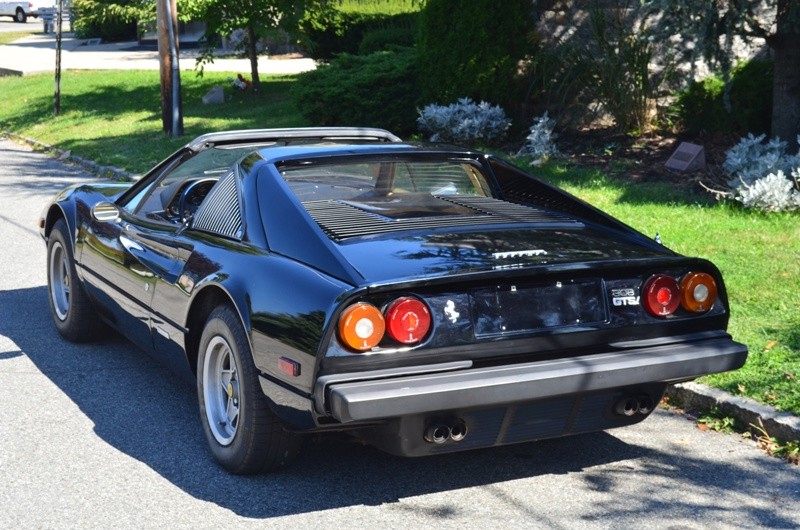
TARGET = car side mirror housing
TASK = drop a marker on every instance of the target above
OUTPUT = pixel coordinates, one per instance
(105, 212)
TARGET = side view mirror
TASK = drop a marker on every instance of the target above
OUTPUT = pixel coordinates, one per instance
(105, 211)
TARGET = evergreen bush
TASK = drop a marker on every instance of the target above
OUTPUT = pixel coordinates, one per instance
(377, 90)
(474, 49)
(701, 107)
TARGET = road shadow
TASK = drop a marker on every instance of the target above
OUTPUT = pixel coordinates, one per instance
(142, 410)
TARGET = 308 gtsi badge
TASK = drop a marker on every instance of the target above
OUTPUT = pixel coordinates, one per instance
(424, 299)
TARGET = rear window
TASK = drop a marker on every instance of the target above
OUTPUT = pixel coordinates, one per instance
(385, 180)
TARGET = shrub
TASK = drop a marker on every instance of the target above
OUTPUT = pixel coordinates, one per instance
(701, 107)
(473, 49)
(762, 175)
(387, 38)
(464, 122)
(376, 90)
(539, 143)
(333, 32)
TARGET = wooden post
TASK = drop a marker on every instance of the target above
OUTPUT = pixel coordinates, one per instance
(171, 108)
(57, 95)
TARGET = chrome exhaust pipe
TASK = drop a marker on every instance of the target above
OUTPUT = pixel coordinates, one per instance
(437, 434)
(626, 406)
(645, 405)
(458, 431)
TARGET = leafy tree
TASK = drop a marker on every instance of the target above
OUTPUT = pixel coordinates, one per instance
(713, 25)
(257, 18)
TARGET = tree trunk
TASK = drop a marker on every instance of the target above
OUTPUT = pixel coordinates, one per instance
(786, 89)
(252, 53)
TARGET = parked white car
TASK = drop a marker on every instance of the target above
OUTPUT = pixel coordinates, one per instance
(20, 11)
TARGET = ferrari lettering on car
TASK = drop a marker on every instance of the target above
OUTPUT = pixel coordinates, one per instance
(423, 299)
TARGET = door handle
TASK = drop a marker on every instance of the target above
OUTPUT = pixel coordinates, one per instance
(130, 244)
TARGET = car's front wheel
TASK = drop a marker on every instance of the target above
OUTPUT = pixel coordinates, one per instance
(71, 308)
(244, 435)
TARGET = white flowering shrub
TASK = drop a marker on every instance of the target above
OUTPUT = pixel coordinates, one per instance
(540, 141)
(464, 122)
(763, 176)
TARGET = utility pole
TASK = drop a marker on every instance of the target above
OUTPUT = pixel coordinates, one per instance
(57, 95)
(171, 107)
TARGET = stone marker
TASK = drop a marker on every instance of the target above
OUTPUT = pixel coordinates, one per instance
(214, 96)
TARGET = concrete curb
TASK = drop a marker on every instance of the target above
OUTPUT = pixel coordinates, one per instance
(109, 172)
(695, 396)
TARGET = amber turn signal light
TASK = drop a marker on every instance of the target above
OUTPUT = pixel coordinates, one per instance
(698, 292)
(361, 326)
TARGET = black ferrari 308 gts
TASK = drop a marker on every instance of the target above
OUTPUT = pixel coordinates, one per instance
(424, 299)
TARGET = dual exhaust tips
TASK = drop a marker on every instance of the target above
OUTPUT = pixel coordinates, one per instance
(439, 433)
(632, 405)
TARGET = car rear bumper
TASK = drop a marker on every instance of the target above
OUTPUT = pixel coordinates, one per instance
(379, 396)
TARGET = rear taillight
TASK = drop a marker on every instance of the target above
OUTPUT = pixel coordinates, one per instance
(661, 295)
(361, 326)
(698, 292)
(408, 320)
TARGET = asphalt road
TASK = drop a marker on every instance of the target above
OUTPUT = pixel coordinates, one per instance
(33, 25)
(100, 436)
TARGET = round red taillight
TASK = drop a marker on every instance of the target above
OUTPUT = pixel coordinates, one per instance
(662, 295)
(361, 326)
(408, 320)
(698, 292)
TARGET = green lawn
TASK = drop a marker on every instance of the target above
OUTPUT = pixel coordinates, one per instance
(11, 36)
(114, 118)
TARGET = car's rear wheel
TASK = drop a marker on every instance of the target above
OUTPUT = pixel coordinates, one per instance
(20, 16)
(244, 435)
(71, 308)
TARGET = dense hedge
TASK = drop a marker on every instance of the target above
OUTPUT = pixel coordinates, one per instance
(377, 90)
(701, 107)
(473, 49)
(335, 32)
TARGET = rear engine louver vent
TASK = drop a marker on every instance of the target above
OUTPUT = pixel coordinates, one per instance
(342, 220)
(220, 212)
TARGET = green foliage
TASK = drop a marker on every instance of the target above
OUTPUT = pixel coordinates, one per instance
(473, 49)
(377, 90)
(385, 38)
(111, 20)
(716, 420)
(618, 61)
(701, 107)
(331, 32)
(257, 19)
(114, 20)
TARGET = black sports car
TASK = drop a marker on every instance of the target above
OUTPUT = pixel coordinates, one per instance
(425, 299)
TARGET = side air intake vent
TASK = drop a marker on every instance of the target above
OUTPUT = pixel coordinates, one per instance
(220, 212)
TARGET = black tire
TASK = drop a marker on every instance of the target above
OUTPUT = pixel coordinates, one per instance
(72, 311)
(244, 435)
(20, 16)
